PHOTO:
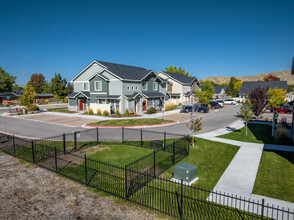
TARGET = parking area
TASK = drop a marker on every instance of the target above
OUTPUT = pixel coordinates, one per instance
(59, 119)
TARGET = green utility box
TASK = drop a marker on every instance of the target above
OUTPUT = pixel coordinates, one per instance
(185, 171)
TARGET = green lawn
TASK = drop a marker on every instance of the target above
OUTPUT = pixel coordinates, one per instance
(257, 133)
(211, 158)
(130, 122)
(64, 110)
(275, 177)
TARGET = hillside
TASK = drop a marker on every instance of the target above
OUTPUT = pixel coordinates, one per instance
(284, 75)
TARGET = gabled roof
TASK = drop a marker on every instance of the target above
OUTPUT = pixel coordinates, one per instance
(75, 94)
(218, 89)
(134, 95)
(181, 78)
(248, 86)
(11, 94)
(126, 72)
(152, 94)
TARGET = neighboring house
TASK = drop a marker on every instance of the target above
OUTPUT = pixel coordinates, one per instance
(180, 88)
(248, 86)
(219, 92)
(111, 86)
(13, 97)
(44, 98)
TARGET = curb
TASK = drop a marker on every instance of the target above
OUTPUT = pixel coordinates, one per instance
(134, 126)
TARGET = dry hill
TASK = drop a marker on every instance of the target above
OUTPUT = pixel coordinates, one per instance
(284, 75)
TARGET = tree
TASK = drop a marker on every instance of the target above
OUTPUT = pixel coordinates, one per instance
(195, 126)
(16, 88)
(277, 97)
(237, 86)
(174, 69)
(58, 86)
(69, 88)
(232, 90)
(246, 112)
(204, 96)
(271, 77)
(259, 99)
(207, 86)
(37, 81)
(6, 81)
(27, 99)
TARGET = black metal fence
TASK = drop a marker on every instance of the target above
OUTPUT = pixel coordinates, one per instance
(139, 182)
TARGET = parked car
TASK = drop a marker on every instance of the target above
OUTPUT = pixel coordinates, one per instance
(214, 104)
(230, 102)
(221, 103)
(285, 108)
(194, 108)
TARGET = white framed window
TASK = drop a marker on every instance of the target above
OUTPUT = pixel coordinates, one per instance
(136, 88)
(102, 101)
(128, 88)
(86, 86)
(145, 86)
(98, 85)
(132, 88)
(155, 86)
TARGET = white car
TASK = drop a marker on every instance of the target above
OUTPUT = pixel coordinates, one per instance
(230, 102)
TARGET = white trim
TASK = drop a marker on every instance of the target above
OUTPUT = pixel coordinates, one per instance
(148, 75)
(95, 87)
(100, 75)
(183, 84)
(88, 86)
(81, 93)
(98, 93)
(114, 80)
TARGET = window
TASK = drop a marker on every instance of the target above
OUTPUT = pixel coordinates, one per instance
(136, 88)
(98, 86)
(86, 86)
(128, 88)
(132, 88)
(155, 86)
(145, 86)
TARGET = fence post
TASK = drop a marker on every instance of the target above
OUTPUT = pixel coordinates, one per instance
(55, 156)
(33, 151)
(126, 183)
(75, 140)
(122, 135)
(181, 214)
(174, 152)
(64, 145)
(164, 140)
(13, 143)
(188, 144)
(154, 165)
(86, 176)
(141, 137)
(97, 134)
(262, 209)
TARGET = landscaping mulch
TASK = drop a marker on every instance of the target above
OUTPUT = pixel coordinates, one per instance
(30, 192)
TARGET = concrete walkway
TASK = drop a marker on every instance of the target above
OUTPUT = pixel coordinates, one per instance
(239, 177)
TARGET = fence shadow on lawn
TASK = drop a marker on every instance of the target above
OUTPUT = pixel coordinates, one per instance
(138, 181)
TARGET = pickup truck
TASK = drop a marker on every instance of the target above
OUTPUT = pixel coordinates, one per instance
(194, 108)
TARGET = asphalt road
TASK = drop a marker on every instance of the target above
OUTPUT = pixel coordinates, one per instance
(37, 129)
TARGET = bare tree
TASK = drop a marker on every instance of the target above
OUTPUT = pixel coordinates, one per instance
(195, 126)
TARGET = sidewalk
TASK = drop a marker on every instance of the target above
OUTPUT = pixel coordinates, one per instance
(239, 177)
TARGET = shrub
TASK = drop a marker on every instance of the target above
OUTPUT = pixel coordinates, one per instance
(266, 118)
(91, 111)
(170, 106)
(282, 135)
(99, 112)
(85, 112)
(283, 123)
(117, 113)
(105, 113)
(261, 117)
(151, 110)
(127, 113)
(180, 103)
(33, 108)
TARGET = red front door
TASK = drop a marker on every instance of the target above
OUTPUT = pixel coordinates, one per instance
(144, 105)
(81, 105)
(135, 106)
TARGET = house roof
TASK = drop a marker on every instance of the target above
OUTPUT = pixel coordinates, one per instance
(74, 94)
(248, 86)
(174, 94)
(126, 72)
(108, 97)
(44, 95)
(181, 78)
(218, 89)
(11, 94)
(152, 94)
(134, 95)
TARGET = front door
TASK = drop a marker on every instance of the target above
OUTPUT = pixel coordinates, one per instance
(144, 105)
(81, 105)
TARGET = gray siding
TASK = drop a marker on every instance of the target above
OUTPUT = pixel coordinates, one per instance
(94, 68)
(72, 102)
(104, 85)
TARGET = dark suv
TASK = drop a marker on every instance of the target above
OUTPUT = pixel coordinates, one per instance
(194, 108)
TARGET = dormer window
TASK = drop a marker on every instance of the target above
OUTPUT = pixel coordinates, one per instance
(86, 86)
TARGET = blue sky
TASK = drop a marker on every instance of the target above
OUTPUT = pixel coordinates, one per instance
(207, 38)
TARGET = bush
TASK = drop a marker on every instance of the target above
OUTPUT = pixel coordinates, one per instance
(99, 112)
(33, 108)
(180, 103)
(105, 113)
(283, 123)
(266, 119)
(117, 113)
(85, 112)
(282, 135)
(151, 110)
(91, 111)
(261, 117)
(127, 113)
(170, 106)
